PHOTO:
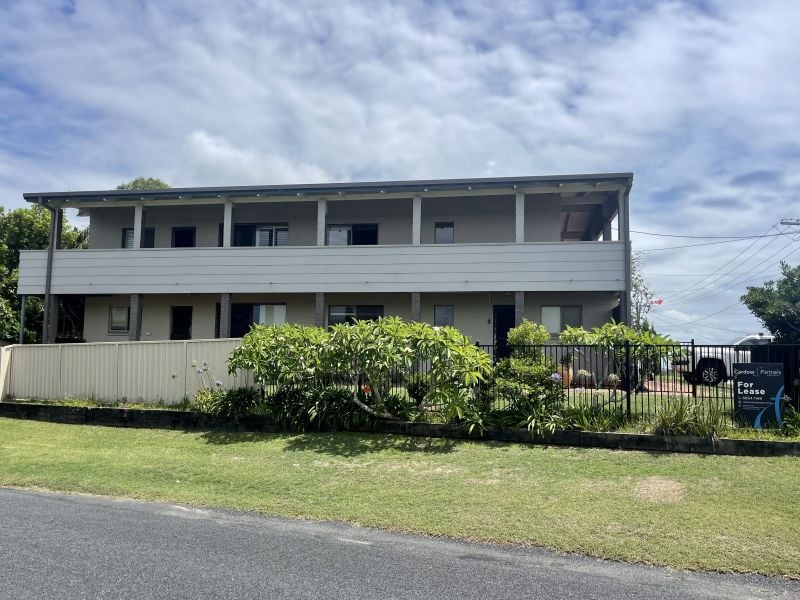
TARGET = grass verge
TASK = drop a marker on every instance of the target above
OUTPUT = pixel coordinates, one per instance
(685, 511)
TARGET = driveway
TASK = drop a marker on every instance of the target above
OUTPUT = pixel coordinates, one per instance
(62, 546)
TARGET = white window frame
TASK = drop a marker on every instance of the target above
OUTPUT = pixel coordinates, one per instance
(111, 327)
(561, 323)
(271, 232)
(452, 315)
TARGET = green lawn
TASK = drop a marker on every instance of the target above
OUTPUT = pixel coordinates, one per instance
(712, 512)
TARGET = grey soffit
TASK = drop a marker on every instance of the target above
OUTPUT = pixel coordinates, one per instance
(421, 186)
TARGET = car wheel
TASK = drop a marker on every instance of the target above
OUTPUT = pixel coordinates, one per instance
(710, 372)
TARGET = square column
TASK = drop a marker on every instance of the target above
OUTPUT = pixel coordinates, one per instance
(322, 216)
(416, 221)
(416, 306)
(623, 221)
(138, 218)
(519, 307)
(135, 324)
(225, 315)
(519, 218)
(319, 309)
(227, 225)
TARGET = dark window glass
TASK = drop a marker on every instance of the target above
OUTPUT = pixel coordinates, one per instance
(444, 233)
(570, 316)
(220, 234)
(346, 314)
(183, 237)
(365, 234)
(244, 235)
(443, 315)
(181, 323)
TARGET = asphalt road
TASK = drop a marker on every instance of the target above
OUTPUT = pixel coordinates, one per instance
(61, 546)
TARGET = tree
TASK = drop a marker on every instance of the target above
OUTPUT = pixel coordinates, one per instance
(641, 294)
(144, 183)
(29, 229)
(777, 305)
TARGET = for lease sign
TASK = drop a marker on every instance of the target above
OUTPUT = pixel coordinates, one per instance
(758, 393)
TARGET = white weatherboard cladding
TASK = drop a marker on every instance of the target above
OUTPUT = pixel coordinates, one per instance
(559, 266)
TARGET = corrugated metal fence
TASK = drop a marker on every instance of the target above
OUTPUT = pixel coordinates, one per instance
(113, 371)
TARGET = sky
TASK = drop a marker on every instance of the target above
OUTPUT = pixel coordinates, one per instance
(700, 100)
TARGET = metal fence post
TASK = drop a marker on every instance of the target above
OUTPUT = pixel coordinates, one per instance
(628, 377)
(693, 372)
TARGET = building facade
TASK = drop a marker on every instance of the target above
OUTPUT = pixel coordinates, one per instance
(479, 254)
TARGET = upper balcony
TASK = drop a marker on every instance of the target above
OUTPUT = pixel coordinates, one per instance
(556, 266)
(503, 234)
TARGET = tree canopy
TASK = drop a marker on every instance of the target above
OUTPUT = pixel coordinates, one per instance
(777, 305)
(25, 229)
(144, 183)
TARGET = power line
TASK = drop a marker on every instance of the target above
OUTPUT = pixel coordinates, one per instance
(698, 245)
(694, 287)
(694, 297)
(680, 325)
(708, 237)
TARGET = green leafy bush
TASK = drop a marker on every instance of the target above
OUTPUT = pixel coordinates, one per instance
(593, 418)
(316, 409)
(791, 422)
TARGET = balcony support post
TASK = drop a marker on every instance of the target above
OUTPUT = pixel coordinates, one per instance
(138, 218)
(50, 317)
(225, 315)
(416, 306)
(625, 237)
(322, 215)
(227, 225)
(416, 220)
(22, 302)
(135, 324)
(519, 218)
(319, 309)
(519, 307)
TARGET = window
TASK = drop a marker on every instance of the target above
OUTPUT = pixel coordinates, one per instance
(251, 234)
(346, 314)
(443, 315)
(244, 315)
(557, 318)
(362, 234)
(119, 318)
(183, 237)
(444, 233)
(148, 237)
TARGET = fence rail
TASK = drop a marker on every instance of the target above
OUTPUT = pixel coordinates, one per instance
(633, 378)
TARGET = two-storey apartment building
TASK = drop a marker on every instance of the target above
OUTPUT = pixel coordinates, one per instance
(479, 254)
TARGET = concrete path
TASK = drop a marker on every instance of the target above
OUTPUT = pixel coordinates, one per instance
(61, 546)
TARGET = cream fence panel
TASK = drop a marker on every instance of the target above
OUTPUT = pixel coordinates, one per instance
(131, 371)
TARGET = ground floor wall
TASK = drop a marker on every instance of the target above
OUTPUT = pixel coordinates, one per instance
(473, 313)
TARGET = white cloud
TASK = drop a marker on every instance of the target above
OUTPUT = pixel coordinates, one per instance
(693, 99)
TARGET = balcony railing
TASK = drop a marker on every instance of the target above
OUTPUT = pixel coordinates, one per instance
(557, 266)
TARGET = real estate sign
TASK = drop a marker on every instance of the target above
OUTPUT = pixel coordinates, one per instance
(758, 393)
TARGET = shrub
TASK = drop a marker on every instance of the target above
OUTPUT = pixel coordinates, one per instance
(527, 336)
(687, 417)
(791, 421)
(593, 418)
(418, 385)
(316, 409)
(227, 403)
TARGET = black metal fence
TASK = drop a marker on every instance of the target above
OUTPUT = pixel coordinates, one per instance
(637, 379)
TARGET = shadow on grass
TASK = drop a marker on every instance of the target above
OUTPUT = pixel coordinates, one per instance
(339, 443)
(354, 444)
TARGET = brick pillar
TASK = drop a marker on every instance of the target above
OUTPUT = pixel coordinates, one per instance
(135, 325)
(519, 307)
(416, 306)
(225, 315)
(319, 309)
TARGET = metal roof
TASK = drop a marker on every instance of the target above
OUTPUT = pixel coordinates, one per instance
(322, 189)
